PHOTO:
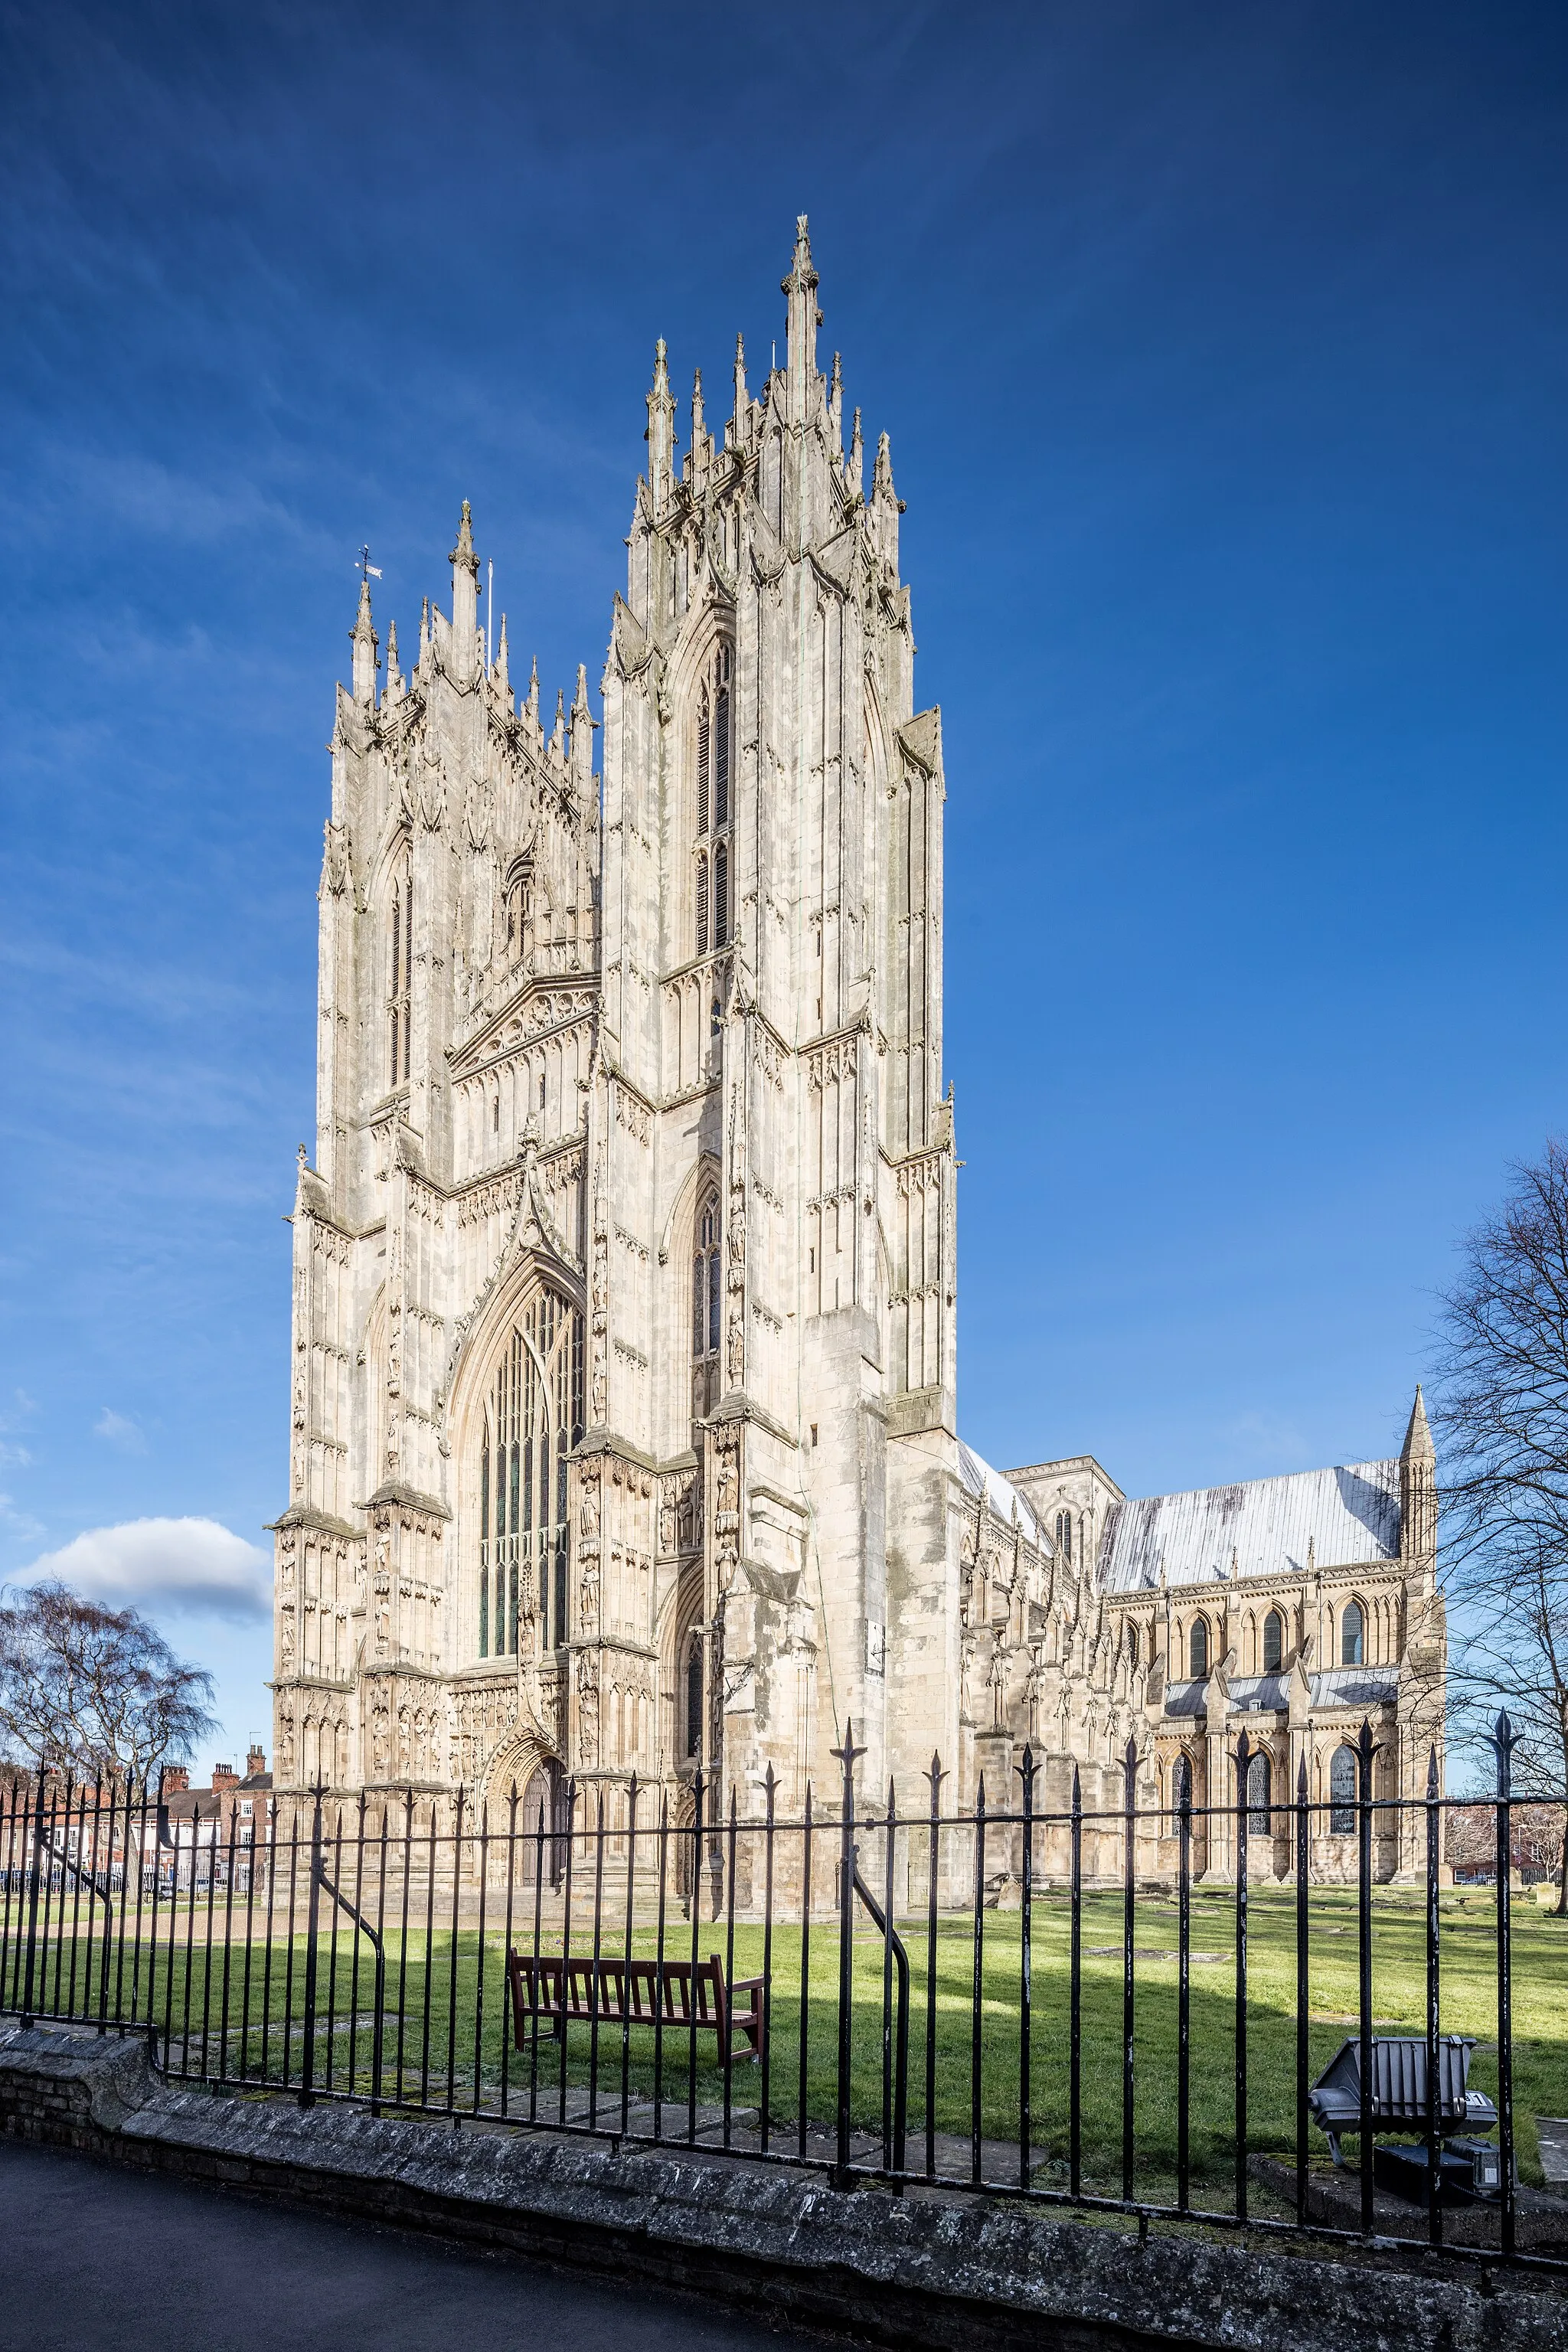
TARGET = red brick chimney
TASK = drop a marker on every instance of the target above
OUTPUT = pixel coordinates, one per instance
(176, 1779)
(224, 1777)
(256, 1761)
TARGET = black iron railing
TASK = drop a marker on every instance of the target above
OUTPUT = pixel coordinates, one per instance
(1044, 2037)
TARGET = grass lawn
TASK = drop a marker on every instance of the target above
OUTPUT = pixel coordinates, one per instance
(448, 2037)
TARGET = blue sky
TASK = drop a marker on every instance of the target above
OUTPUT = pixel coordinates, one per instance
(1223, 353)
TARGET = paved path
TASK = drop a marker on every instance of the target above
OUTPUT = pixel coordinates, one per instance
(95, 2260)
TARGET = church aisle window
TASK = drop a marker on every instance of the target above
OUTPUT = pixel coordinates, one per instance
(1342, 1793)
(533, 1417)
(1198, 1650)
(1353, 1634)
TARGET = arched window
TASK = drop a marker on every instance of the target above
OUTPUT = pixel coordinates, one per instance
(721, 895)
(400, 968)
(1198, 1650)
(518, 907)
(1353, 1634)
(1133, 1646)
(705, 1280)
(1273, 1642)
(1342, 1792)
(1182, 1783)
(1259, 1817)
(533, 1417)
(711, 759)
(1063, 1535)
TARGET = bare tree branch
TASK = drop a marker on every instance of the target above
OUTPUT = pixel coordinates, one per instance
(92, 1690)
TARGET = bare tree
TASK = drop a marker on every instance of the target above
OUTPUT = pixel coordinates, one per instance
(1502, 1412)
(93, 1691)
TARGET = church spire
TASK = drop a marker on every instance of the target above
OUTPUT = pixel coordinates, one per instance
(1418, 1445)
(1419, 1494)
(698, 428)
(533, 691)
(660, 435)
(465, 600)
(803, 320)
(857, 466)
(743, 397)
(394, 675)
(836, 404)
(363, 638)
(582, 733)
(501, 674)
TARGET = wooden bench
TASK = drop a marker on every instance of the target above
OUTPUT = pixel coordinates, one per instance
(696, 1999)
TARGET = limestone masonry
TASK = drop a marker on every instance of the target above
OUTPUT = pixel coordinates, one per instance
(625, 1340)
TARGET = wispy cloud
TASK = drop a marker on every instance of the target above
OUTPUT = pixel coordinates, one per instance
(119, 1429)
(187, 1567)
(20, 1523)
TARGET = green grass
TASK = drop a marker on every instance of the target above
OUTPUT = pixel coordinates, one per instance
(442, 2034)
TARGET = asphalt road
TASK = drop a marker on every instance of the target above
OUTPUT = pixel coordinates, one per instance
(92, 2257)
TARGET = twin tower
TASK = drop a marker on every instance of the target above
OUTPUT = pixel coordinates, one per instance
(624, 1277)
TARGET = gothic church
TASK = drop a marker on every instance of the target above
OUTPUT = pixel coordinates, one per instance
(624, 1367)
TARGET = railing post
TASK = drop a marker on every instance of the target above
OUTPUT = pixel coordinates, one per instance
(33, 1902)
(312, 1918)
(1303, 1983)
(846, 1756)
(1244, 1753)
(1433, 2140)
(1504, 1740)
(1183, 1981)
(1129, 1924)
(1025, 1973)
(1365, 1752)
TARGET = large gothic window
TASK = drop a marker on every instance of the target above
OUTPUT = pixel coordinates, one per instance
(533, 1417)
(712, 762)
(400, 968)
(706, 1296)
(1353, 1634)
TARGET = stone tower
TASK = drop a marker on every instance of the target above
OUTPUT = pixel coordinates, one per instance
(624, 1319)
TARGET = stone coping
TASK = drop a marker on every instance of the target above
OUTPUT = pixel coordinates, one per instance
(943, 2274)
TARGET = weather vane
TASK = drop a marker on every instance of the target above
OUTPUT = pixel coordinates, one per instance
(364, 567)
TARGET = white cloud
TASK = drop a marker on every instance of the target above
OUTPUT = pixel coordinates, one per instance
(188, 1567)
(120, 1429)
(21, 1523)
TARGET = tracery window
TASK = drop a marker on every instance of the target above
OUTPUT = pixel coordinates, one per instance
(706, 1295)
(532, 1418)
(1198, 1650)
(1342, 1792)
(712, 761)
(1273, 1642)
(1260, 1780)
(1353, 1634)
(400, 968)
(1063, 1535)
(1182, 1784)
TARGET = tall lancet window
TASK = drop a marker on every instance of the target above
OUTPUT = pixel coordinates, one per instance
(400, 970)
(712, 762)
(706, 1296)
(532, 1418)
(518, 907)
